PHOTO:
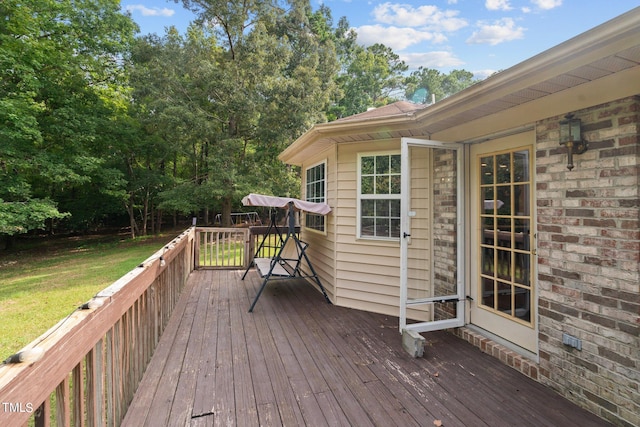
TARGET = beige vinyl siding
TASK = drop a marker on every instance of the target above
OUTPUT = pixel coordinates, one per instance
(364, 273)
(367, 270)
(322, 245)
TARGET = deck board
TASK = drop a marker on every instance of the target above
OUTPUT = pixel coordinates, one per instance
(297, 360)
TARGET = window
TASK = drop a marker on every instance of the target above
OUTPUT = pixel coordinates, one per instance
(379, 196)
(316, 192)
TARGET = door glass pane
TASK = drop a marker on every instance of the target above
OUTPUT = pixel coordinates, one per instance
(521, 166)
(522, 234)
(521, 199)
(486, 199)
(503, 237)
(503, 168)
(486, 170)
(487, 261)
(522, 268)
(488, 231)
(488, 292)
(504, 297)
(503, 264)
(522, 304)
(506, 239)
(503, 203)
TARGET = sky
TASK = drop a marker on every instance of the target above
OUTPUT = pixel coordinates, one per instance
(481, 36)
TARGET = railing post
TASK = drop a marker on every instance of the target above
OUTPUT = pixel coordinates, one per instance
(248, 248)
(196, 255)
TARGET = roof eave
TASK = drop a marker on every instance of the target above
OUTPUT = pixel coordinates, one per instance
(331, 129)
(617, 34)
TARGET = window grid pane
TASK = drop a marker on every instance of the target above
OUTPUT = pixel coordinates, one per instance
(380, 196)
(315, 192)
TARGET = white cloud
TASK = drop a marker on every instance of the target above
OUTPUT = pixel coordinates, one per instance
(427, 16)
(436, 59)
(483, 74)
(547, 4)
(146, 11)
(497, 5)
(394, 37)
(500, 31)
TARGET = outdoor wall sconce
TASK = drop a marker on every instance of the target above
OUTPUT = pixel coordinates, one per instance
(571, 138)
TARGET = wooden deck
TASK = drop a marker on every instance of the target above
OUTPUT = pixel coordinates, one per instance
(297, 360)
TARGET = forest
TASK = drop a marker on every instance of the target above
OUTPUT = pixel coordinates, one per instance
(103, 127)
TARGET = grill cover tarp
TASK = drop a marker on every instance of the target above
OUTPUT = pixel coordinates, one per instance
(283, 202)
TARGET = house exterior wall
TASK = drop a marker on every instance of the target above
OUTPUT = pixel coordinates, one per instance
(367, 271)
(321, 250)
(588, 258)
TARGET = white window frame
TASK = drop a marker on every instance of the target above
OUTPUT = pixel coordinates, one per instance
(361, 196)
(324, 196)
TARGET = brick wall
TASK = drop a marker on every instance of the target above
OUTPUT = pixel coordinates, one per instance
(444, 230)
(588, 240)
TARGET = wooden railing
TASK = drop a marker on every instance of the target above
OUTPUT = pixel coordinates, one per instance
(222, 247)
(271, 243)
(85, 370)
(235, 247)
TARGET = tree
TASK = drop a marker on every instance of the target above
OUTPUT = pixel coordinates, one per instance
(60, 88)
(427, 84)
(270, 78)
(373, 78)
(368, 76)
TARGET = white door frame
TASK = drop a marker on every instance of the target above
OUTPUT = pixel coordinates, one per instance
(405, 233)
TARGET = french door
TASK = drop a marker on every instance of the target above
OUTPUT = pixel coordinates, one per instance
(431, 236)
(502, 236)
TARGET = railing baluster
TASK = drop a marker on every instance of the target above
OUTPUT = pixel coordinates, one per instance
(43, 414)
(95, 388)
(63, 404)
(108, 380)
(77, 381)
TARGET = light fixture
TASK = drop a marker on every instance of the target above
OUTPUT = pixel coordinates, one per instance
(571, 138)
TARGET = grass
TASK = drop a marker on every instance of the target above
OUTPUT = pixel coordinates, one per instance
(43, 282)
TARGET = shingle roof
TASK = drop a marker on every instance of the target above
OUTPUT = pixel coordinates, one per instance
(395, 109)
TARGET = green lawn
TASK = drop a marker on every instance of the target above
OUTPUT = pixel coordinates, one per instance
(41, 284)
